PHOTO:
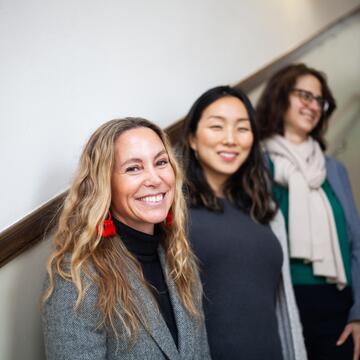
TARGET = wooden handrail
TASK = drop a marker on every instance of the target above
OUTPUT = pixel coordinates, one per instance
(29, 230)
(34, 227)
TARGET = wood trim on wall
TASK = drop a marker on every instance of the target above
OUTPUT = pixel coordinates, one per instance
(34, 227)
(29, 230)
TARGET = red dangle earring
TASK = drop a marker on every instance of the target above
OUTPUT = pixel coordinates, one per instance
(108, 228)
(169, 218)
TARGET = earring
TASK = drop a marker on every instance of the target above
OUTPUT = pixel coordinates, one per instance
(169, 218)
(108, 228)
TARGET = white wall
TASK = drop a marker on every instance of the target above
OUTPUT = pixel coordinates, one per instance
(67, 66)
(21, 285)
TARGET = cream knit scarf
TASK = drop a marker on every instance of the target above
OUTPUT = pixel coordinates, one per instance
(312, 230)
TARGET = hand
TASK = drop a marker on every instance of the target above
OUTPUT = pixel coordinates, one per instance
(353, 329)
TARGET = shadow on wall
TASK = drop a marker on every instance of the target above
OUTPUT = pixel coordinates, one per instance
(25, 275)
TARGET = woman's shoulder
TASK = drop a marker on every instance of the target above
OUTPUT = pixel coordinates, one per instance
(336, 172)
(65, 292)
(62, 313)
(333, 163)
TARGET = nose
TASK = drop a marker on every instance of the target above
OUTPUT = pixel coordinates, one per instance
(152, 177)
(229, 138)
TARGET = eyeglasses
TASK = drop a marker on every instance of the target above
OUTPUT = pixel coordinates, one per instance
(307, 97)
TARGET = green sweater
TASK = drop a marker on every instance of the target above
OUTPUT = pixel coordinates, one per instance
(301, 272)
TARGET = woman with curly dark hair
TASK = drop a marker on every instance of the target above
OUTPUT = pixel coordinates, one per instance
(314, 194)
(232, 226)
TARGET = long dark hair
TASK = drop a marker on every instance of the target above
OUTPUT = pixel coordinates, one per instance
(274, 102)
(248, 188)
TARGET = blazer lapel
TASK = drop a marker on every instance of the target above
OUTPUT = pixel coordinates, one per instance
(184, 323)
(155, 324)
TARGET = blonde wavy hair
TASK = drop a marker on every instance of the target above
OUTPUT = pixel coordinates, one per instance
(80, 252)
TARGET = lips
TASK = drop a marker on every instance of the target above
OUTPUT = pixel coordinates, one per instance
(228, 155)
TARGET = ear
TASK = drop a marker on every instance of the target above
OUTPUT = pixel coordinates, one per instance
(192, 142)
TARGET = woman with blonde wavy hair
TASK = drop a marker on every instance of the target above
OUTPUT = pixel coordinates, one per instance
(122, 281)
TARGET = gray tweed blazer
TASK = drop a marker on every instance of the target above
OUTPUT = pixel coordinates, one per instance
(75, 335)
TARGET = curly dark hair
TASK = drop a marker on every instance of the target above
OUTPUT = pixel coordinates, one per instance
(249, 187)
(274, 102)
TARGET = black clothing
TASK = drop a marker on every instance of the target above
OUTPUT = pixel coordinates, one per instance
(240, 267)
(324, 320)
(145, 248)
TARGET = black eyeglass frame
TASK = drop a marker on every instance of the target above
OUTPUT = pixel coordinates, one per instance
(307, 97)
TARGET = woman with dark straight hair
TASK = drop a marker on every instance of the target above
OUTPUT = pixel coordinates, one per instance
(249, 307)
(314, 195)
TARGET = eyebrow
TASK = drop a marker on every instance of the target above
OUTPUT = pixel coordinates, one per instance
(138, 160)
(223, 119)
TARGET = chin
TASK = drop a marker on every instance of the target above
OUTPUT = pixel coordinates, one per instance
(308, 126)
(231, 170)
(155, 218)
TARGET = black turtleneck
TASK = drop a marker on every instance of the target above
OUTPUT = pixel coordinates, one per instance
(145, 248)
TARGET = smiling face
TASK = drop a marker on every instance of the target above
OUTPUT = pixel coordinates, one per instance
(143, 180)
(301, 118)
(223, 140)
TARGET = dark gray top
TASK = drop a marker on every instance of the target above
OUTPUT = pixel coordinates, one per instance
(240, 267)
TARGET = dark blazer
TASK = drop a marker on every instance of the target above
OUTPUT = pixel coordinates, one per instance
(339, 181)
(75, 335)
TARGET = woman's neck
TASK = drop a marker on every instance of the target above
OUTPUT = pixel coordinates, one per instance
(138, 242)
(216, 183)
(295, 137)
(146, 228)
